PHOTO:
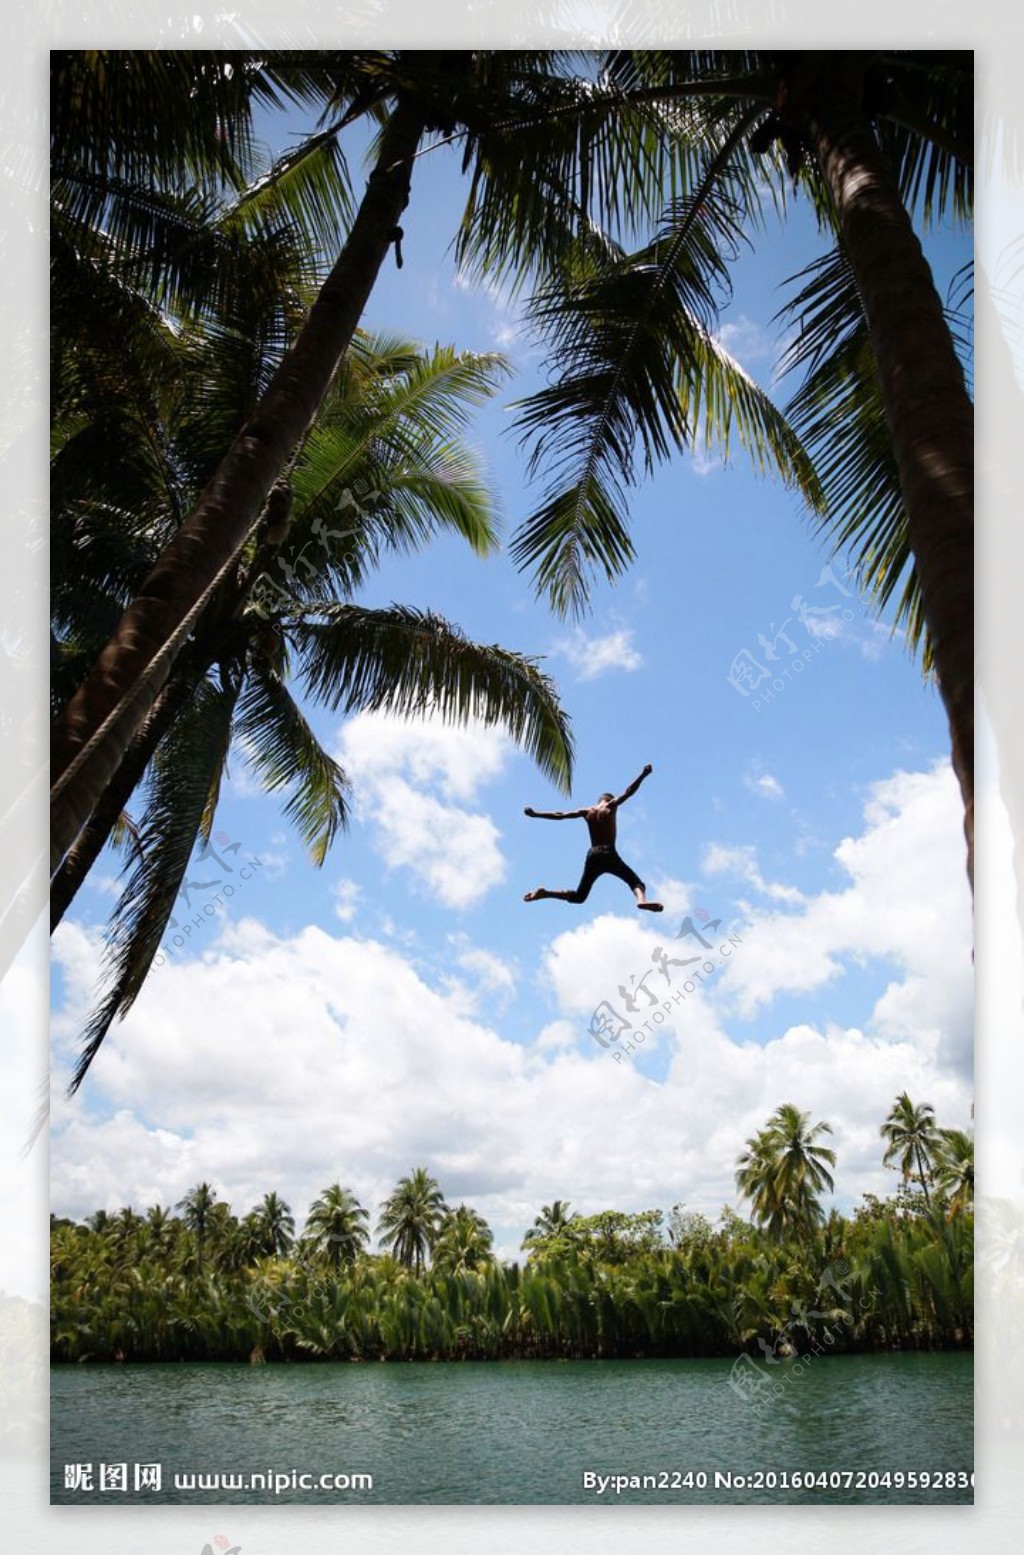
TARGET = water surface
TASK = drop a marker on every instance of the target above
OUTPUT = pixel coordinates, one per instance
(517, 1431)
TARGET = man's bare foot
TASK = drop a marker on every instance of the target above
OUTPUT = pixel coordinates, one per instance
(650, 907)
(534, 896)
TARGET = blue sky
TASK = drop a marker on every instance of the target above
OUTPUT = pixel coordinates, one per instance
(403, 1006)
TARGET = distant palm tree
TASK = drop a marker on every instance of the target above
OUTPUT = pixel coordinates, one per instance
(911, 1138)
(954, 1168)
(551, 1221)
(336, 1226)
(463, 1242)
(784, 1169)
(197, 1213)
(411, 1218)
(275, 1226)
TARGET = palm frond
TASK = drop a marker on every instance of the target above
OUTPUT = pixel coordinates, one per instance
(839, 414)
(412, 662)
(634, 360)
(177, 795)
(307, 188)
(284, 753)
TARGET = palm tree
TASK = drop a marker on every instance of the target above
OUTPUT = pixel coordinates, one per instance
(274, 1225)
(464, 1241)
(411, 1219)
(954, 1168)
(911, 1138)
(870, 137)
(554, 1221)
(336, 1226)
(784, 1169)
(484, 96)
(392, 419)
(197, 1212)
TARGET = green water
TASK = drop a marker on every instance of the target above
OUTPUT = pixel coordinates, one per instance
(520, 1432)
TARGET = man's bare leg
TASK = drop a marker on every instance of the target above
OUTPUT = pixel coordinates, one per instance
(642, 902)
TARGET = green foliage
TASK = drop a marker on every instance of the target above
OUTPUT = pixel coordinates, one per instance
(898, 1273)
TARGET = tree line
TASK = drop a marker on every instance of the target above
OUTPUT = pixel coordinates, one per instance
(206, 1285)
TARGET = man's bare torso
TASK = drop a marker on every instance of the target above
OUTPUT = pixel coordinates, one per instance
(601, 825)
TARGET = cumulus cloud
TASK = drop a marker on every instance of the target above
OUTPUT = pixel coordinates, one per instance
(742, 862)
(290, 1062)
(594, 656)
(764, 784)
(907, 904)
(346, 895)
(408, 774)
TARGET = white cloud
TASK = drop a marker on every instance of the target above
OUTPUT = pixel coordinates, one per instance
(346, 894)
(764, 784)
(748, 341)
(742, 861)
(704, 462)
(448, 849)
(289, 1063)
(490, 974)
(676, 896)
(907, 903)
(593, 656)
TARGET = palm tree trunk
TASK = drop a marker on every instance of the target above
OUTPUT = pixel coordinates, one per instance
(91, 840)
(927, 407)
(188, 569)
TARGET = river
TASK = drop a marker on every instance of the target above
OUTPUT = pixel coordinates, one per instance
(702, 1431)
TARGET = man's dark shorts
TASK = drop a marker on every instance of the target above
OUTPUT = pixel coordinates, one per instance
(604, 861)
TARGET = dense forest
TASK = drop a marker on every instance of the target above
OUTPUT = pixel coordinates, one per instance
(204, 1284)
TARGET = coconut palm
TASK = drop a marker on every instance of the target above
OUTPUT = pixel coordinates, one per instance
(953, 1156)
(464, 1241)
(197, 1213)
(520, 116)
(784, 1169)
(274, 1226)
(870, 137)
(554, 1221)
(336, 1227)
(912, 1140)
(411, 1219)
(381, 471)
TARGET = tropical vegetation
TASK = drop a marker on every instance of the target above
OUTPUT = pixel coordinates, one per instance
(896, 1273)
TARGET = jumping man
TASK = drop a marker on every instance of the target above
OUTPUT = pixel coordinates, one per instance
(602, 857)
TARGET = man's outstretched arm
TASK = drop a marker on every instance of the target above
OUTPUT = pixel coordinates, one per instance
(554, 815)
(627, 793)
